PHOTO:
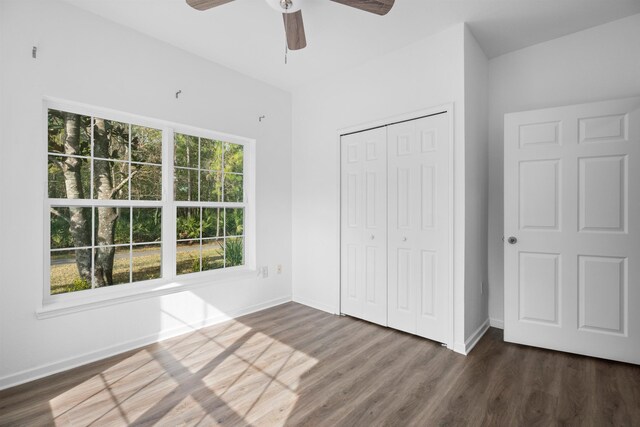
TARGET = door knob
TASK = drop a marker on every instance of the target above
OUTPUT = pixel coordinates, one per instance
(373, 237)
(404, 239)
(512, 240)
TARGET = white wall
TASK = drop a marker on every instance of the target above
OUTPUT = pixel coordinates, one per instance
(476, 135)
(2, 182)
(425, 74)
(596, 64)
(87, 59)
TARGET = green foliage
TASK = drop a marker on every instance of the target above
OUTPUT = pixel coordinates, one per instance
(190, 227)
(234, 222)
(234, 252)
(60, 223)
(60, 235)
(57, 133)
(147, 225)
(185, 184)
(233, 187)
(210, 154)
(233, 158)
(188, 257)
(185, 150)
(146, 144)
(188, 223)
(210, 186)
(76, 285)
(146, 182)
(212, 222)
(118, 137)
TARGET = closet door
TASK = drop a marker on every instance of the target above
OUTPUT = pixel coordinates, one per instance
(363, 225)
(418, 228)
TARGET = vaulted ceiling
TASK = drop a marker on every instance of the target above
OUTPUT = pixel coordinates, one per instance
(248, 35)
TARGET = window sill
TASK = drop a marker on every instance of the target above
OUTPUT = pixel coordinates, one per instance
(63, 306)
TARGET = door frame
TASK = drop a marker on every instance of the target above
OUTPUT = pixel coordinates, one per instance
(447, 108)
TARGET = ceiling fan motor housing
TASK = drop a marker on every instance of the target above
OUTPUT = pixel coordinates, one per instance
(286, 6)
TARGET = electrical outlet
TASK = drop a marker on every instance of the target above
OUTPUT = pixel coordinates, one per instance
(265, 272)
(279, 270)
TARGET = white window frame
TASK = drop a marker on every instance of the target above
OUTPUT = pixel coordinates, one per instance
(53, 305)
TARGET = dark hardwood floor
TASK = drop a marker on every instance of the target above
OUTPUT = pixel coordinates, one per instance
(293, 365)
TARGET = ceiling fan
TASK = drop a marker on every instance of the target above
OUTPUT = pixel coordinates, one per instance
(292, 15)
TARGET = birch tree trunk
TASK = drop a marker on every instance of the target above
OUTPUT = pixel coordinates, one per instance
(79, 226)
(107, 216)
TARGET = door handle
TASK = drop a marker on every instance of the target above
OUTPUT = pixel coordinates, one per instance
(512, 240)
(404, 239)
(373, 237)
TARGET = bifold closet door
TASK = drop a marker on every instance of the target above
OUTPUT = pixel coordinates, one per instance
(363, 225)
(418, 228)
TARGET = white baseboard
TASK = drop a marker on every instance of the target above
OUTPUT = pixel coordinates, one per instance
(476, 336)
(73, 362)
(458, 347)
(314, 304)
(497, 323)
(471, 342)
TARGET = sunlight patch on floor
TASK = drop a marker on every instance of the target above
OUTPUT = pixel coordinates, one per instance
(224, 374)
(115, 389)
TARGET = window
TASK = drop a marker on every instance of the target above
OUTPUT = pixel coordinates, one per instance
(209, 193)
(113, 218)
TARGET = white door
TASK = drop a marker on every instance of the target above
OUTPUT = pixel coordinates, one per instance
(364, 225)
(419, 162)
(572, 208)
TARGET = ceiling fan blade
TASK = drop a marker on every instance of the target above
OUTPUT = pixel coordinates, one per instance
(206, 4)
(379, 7)
(294, 27)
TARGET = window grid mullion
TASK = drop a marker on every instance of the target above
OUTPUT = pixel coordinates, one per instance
(222, 181)
(130, 240)
(129, 165)
(92, 122)
(106, 203)
(130, 187)
(168, 233)
(90, 157)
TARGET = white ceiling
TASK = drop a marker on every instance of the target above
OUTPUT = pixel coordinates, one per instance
(248, 35)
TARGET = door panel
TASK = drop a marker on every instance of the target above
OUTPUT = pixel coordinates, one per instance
(428, 283)
(572, 200)
(353, 275)
(418, 166)
(539, 285)
(402, 194)
(403, 288)
(428, 196)
(364, 225)
(602, 294)
(602, 195)
(540, 194)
